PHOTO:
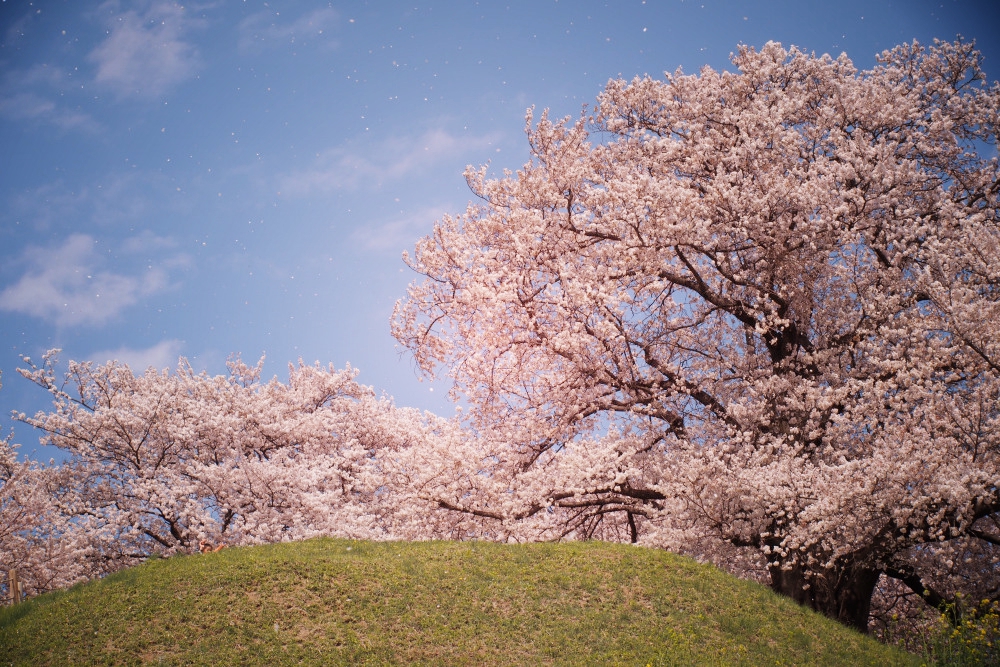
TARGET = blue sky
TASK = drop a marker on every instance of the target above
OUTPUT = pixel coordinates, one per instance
(213, 178)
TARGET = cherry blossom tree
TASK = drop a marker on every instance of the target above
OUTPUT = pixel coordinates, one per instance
(756, 313)
(33, 531)
(166, 461)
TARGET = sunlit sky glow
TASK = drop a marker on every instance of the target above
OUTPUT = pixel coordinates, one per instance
(213, 178)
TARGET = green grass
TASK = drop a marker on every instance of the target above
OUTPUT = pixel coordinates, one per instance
(344, 602)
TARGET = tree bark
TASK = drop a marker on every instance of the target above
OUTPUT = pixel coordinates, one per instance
(843, 594)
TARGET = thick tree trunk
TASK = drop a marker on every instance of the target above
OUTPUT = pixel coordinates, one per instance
(843, 594)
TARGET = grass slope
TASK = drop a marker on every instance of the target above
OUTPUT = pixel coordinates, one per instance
(344, 602)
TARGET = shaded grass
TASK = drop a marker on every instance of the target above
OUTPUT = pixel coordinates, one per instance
(330, 601)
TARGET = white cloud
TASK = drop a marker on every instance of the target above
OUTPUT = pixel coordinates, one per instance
(146, 242)
(47, 206)
(128, 199)
(19, 30)
(401, 233)
(66, 285)
(26, 95)
(390, 160)
(29, 106)
(264, 29)
(164, 354)
(145, 54)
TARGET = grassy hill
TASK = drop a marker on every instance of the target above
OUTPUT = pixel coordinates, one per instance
(342, 602)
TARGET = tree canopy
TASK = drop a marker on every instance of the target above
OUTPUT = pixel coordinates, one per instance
(756, 309)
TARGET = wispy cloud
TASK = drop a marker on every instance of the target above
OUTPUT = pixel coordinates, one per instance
(164, 354)
(146, 242)
(68, 285)
(17, 30)
(125, 199)
(30, 106)
(399, 233)
(267, 28)
(145, 53)
(392, 159)
(29, 95)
